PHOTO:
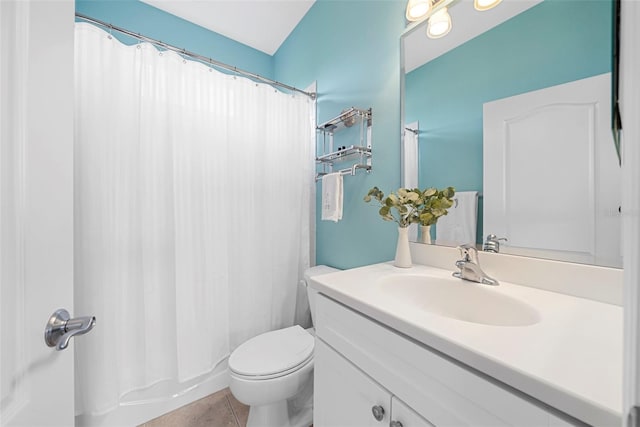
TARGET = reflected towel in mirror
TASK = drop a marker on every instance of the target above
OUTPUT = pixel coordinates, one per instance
(459, 225)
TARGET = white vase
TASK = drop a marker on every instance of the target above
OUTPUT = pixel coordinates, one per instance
(425, 234)
(403, 254)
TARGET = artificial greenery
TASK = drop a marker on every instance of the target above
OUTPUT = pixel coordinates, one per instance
(409, 206)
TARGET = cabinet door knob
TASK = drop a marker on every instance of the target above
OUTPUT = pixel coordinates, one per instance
(378, 412)
(395, 424)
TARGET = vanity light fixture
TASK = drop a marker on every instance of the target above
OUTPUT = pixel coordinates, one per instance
(439, 24)
(436, 13)
(483, 5)
(418, 9)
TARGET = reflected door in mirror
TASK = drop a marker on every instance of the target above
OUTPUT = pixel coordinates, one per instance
(551, 176)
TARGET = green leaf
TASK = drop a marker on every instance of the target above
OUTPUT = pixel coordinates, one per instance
(426, 218)
(449, 192)
(413, 196)
(375, 192)
(429, 192)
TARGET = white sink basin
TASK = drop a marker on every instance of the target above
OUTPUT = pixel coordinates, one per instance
(459, 299)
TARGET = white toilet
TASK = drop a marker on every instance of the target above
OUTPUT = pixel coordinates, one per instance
(273, 372)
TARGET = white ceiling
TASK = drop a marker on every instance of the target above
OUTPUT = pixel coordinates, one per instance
(467, 23)
(265, 24)
(261, 24)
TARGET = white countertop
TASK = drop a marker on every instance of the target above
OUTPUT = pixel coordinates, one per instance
(571, 359)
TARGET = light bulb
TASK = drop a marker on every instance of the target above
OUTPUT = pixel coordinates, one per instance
(483, 5)
(417, 9)
(439, 24)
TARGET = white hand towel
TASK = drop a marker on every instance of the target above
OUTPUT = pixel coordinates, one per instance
(332, 194)
(459, 225)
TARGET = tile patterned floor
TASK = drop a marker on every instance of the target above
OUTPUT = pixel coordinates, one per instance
(220, 409)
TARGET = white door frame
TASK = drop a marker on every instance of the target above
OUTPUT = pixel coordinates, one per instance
(630, 109)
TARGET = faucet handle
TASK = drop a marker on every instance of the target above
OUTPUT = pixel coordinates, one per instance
(468, 252)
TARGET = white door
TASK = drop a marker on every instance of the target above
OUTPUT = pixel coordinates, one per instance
(36, 208)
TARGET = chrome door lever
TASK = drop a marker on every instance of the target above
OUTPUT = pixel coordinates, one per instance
(61, 328)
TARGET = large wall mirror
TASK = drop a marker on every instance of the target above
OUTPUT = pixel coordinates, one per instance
(519, 51)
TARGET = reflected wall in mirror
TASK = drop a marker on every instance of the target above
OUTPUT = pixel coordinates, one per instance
(552, 42)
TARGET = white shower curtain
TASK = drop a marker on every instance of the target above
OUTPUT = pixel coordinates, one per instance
(192, 214)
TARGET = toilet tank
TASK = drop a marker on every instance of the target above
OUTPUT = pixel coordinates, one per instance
(311, 293)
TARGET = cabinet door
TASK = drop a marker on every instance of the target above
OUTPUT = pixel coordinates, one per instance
(404, 416)
(343, 395)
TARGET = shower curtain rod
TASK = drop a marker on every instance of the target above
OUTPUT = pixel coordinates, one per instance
(200, 58)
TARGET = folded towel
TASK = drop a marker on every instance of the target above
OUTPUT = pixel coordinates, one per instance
(332, 197)
(459, 225)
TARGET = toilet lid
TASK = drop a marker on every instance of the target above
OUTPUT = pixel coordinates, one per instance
(272, 352)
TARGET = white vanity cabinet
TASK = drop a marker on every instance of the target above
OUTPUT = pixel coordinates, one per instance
(360, 364)
(404, 416)
(347, 397)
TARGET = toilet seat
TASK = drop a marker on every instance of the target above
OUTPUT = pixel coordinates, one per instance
(272, 354)
(309, 360)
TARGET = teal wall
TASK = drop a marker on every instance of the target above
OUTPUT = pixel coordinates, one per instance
(351, 48)
(554, 42)
(139, 17)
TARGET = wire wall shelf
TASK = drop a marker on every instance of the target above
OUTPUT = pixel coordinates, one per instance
(352, 123)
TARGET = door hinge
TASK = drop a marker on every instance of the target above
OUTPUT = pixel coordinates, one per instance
(633, 419)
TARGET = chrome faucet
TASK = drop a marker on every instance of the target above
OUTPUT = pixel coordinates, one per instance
(470, 266)
(492, 244)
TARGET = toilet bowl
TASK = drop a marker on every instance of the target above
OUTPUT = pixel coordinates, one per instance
(273, 372)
